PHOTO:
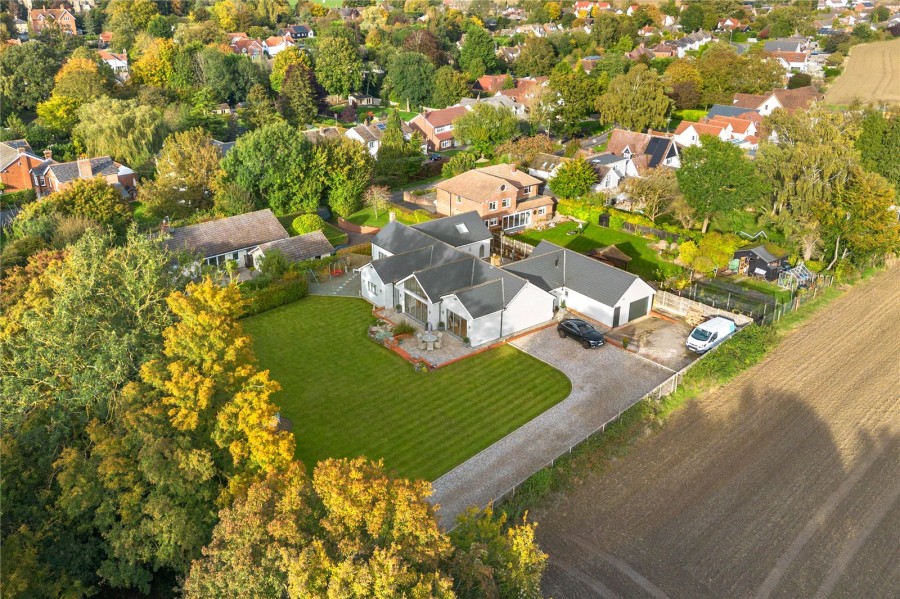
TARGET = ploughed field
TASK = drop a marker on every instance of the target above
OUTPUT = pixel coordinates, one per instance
(872, 75)
(783, 483)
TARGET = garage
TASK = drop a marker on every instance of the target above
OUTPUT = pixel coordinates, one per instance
(604, 293)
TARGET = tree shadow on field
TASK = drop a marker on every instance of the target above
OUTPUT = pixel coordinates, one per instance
(705, 507)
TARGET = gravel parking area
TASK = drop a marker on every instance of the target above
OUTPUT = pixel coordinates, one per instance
(605, 381)
(658, 339)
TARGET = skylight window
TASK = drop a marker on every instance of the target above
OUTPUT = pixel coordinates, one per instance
(461, 228)
(381, 126)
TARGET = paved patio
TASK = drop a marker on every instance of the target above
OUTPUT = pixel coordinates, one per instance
(345, 285)
(452, 348)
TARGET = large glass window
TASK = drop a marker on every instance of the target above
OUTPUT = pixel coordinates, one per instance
(411, 284)
(517, 220)
(457, 325)
(416, 308)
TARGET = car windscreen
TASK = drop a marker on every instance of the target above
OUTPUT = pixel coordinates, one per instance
(585, 329)
(701, 335)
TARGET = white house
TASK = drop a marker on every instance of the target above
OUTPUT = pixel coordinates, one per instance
(433, 281)
(545, 166)
(371, 135)
(117, 62)
(612, 170)
(688, 133)
(233, 238)
(277, 43)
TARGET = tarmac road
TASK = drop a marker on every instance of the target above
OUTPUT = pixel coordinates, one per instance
(784, 483)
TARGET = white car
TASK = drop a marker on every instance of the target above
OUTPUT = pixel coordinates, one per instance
(710, 334)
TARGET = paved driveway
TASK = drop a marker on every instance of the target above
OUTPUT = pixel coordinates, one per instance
(605, 381)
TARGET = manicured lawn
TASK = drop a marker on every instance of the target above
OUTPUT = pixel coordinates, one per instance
(689, 115)
(382, 112)
(347, 396)
(644, 261)
(367, 217)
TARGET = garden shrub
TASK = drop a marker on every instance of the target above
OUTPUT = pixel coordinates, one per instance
(17, 252)
(746, 348)
(17, 197)
(404, 328)
(274, 264)
(290, 289)
(307, 223)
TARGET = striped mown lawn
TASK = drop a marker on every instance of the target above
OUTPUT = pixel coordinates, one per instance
(347, 396)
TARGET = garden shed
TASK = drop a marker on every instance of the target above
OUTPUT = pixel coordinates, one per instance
(761, 260)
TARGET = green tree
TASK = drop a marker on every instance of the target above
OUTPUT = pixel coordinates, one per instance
(636, 100)
(186, 169)
(410, 78)
(278, 167)
(338, 66)
(486, 126)
(297, 101)
(575, 95)
(538, 58)
(127, 18)
(124, 129)
(258, 110)
(656, 193)
(716, 178)
(307, 223)
(26, 75)
(202, 115)
(692, 17)
(59, 114)
(684, 83)
(397, 157)
(573, 179)
(459, 164)
(879, 146)
(478, 55)
(349, 172)
(449, 87)
(80, 79)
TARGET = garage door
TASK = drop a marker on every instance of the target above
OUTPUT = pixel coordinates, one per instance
(638, 308)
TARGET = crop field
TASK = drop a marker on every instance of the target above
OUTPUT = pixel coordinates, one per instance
(872, 75)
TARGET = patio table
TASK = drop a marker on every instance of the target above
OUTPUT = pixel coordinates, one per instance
(429, 340)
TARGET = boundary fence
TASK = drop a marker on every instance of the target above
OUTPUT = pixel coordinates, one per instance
(644, 230)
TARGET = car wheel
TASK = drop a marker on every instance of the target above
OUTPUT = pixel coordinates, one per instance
(586, 344)
(562, 333)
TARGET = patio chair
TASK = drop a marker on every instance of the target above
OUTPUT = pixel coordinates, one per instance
(440, 338)
(421, 343)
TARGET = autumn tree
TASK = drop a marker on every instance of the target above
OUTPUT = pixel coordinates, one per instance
(424, 42)
(684, 83)
(486, 126)
(575, 95)
(716, 178)
(338, 66)
(573, 179)
(523, 150)
(284, 59)
(636, 100)
(155, 65)
(377, 198)
(81, 80)
(127, 18)
(449, 87)
(655, 193)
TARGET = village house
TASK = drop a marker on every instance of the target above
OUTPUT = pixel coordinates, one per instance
(688, 133)
(646, 150)
(501, 100)
(370, 135)
(320, 134)
(21, 169)
(797, 62)
(275, 44)
(43, 18)
(297, 32)
(504, 196)
(509, 54)
(545, 166)
(436, 127)
(786, 99)
(310, 246)
(241, 44)
(491, 84)
(117, 62)
(360, 99)
(612, 170)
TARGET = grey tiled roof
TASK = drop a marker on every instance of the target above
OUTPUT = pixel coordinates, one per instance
(447, 229)
(767, 251)
(397, 238)
(68, 171)
(301, 247)
(228, 234)
(484, 299)
(9, 150)
(400, 266)
(551, 267)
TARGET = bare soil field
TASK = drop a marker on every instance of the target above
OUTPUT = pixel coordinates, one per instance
(783, 483)
(872, 75)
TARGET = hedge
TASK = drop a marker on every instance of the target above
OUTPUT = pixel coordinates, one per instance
(278, 293)
(591, 211)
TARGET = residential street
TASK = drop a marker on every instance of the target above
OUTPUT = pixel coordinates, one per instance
(784, 483)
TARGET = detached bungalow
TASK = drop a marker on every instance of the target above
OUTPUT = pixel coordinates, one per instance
(233, 238)
(310, 246)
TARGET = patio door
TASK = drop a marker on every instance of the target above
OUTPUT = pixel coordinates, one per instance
(416, 308)
(457, 325)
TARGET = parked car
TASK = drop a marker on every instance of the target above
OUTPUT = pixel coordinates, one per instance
(580, 330)
(435, 157)
(710, 334)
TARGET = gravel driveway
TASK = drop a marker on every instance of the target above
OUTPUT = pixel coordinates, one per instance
(605, 381)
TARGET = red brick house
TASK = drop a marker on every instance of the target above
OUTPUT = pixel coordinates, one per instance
(503, 196)
(436, 127)
(40, 19)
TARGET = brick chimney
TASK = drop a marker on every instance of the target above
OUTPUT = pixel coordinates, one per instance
(513, 167)
(84, 168)
(48, 154)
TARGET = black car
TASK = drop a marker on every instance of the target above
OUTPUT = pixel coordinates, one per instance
(580, 330)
